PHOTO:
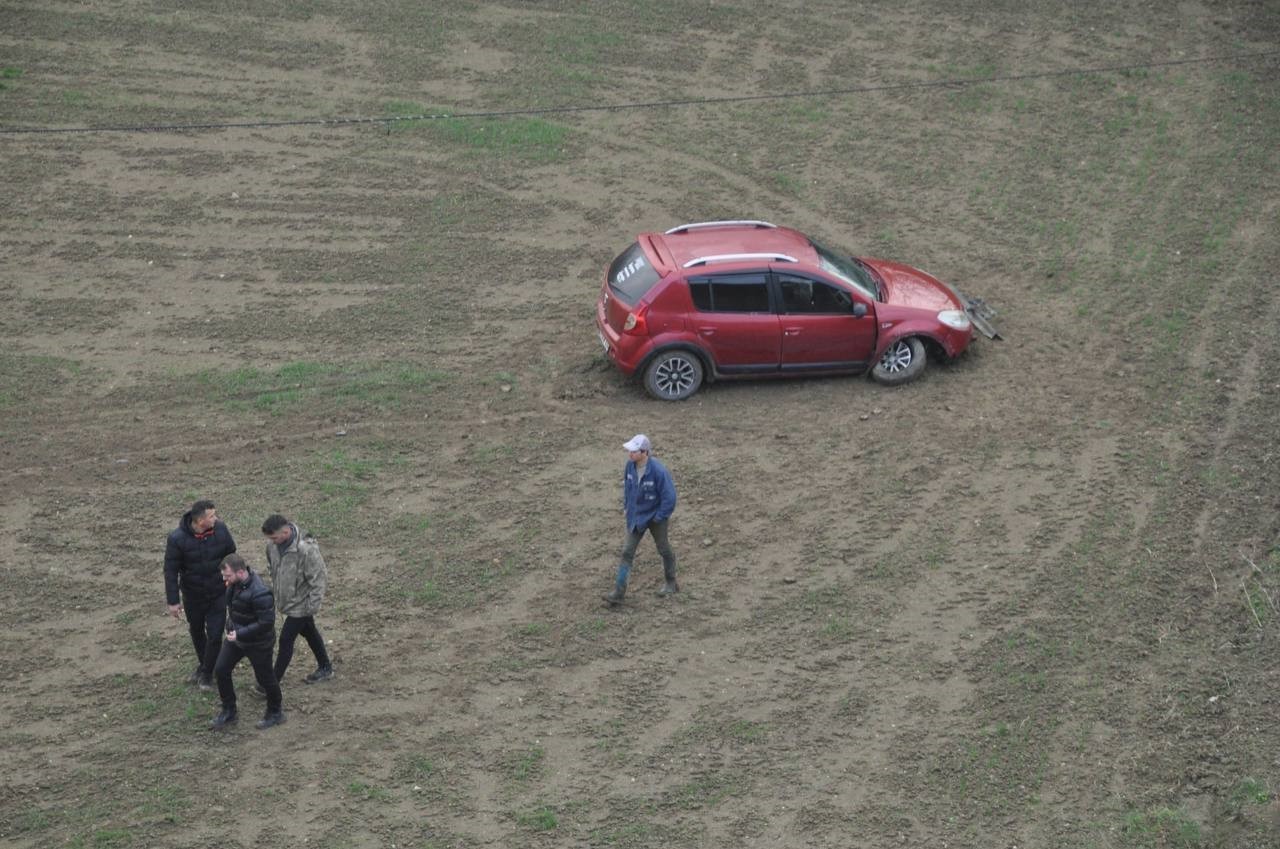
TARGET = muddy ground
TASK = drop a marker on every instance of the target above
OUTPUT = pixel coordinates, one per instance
(1028, 600)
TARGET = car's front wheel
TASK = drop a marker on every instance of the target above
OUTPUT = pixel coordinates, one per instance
(673, 375)
(902, 361)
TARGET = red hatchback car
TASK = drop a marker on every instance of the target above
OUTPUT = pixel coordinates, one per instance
(721, 299)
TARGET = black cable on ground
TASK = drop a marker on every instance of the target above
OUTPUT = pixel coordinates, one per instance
(653, 104)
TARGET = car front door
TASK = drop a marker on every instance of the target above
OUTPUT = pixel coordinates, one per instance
(823, 325)
(734, 319)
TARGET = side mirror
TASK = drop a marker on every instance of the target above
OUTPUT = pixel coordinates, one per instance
(859, 309)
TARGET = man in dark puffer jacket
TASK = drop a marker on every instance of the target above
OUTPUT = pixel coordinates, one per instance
(251, 632)
(192, 560)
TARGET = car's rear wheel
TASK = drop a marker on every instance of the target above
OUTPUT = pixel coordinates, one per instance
(673, 375)
(902, 361)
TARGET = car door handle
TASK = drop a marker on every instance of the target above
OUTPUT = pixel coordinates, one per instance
(707, 331)
(791, 331)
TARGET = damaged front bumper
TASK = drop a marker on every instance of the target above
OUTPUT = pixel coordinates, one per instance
(981, 315)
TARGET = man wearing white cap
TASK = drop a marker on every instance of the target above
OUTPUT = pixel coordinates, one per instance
(649, 499)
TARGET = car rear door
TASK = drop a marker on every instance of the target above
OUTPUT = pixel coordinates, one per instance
(629, 278)
(820, 328)
(734, 319)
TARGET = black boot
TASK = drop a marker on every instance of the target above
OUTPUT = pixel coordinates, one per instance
(225, 717)
(323, 673)
(271, 718)
(205, 681)
(669, 587)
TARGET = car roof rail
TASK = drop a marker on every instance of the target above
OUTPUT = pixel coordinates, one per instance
(708, 260)
(702, 225)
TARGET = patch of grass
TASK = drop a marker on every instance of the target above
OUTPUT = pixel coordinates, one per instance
(336, 483)
(427, 594)
(368, 792)
(584, 46)
(631, 834)
(533, 629)
(1250, 791)
(166, 802)
(340, 463)
(439, 567)
(1008, 760)
(33, 820)
(420, 767)
(541, 818)
(589, 628)
(1259, 604)
(144, 708)
(381, 385)
(505, 382)
(427, 775)
(1161, 828)
(526, 765)
(530, 140)
(705, 791)
(491, 453)
(980, 99)
(106, 838)
(24, 378)
(149, 646)
(838, 629)
(788, 183)
(743, 731)
(723, 730)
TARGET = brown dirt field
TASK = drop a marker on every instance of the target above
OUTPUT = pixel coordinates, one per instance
(1026, 601)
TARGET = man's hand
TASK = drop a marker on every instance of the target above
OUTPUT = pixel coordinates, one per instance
(231, 636)
(175, 610)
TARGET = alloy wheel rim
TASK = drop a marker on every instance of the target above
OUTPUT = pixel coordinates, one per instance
(674, 376)
(897, 358)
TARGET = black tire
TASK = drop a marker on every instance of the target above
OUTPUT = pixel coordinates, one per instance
(673, 375)
(901, 362)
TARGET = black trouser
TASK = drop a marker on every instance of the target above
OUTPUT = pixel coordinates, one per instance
(260, 657)
(205, 617)
(293, 626)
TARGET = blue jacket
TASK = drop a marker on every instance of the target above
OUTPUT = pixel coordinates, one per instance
(652, 498)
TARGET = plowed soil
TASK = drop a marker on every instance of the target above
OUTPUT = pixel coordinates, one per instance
(1029, 600)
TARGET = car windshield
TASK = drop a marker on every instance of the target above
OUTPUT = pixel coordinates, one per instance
(847, 269)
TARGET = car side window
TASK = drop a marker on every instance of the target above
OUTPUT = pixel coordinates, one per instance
(804, 295)
(730, 292)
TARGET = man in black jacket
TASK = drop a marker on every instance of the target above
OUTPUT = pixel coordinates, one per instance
(251, 632)
(192, 558)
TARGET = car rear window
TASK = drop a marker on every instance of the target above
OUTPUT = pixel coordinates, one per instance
(631, 274)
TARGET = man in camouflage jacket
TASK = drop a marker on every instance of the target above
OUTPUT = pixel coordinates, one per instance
(298, 580)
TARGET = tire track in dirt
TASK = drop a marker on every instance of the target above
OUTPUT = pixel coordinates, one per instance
(1205, 543)
(1245, 385)
(732, 611)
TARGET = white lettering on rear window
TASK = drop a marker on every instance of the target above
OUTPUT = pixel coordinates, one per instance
(630, 268)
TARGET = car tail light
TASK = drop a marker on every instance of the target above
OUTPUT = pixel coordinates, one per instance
(635, 324)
